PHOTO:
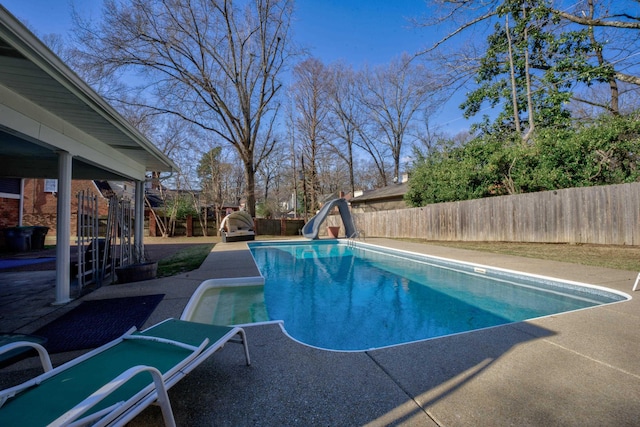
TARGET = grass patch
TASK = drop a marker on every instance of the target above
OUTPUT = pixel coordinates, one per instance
(609, 256)
(185, 260)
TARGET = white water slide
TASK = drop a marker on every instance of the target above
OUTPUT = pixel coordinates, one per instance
(311, 228)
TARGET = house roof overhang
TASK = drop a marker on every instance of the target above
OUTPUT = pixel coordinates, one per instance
(46, 108)
(390, 192)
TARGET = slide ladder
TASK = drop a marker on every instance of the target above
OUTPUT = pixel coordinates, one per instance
(311, 229)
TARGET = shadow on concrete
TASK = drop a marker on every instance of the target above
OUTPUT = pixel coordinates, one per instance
(293, 384)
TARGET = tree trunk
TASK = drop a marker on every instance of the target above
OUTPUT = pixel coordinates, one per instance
(527, 73)
(250, 190)
(613, 84)
(514, 94)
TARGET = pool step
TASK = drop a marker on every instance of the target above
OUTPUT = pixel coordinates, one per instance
(240, 305)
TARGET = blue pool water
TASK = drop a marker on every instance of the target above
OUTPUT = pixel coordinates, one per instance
(334, 296)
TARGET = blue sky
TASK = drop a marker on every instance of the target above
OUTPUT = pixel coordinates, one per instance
(359, 31)
(356, 31)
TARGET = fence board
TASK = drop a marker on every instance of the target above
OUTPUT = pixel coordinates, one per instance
(599, 215)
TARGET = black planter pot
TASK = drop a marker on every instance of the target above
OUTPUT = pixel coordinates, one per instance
(137, 272)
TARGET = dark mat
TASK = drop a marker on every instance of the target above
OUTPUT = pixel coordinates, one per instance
(20, 262)
(94, 323)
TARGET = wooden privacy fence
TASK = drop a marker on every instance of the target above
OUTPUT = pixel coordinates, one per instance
(600, 215)
(278, 227)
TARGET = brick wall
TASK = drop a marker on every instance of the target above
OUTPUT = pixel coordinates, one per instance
(40, 207)
(9, 210)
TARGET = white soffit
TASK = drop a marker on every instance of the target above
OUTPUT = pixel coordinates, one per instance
(46, 107)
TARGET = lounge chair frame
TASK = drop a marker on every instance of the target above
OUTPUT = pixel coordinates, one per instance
(125, 410)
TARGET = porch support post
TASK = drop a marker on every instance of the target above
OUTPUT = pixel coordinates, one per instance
(138, 218)
(63, 229)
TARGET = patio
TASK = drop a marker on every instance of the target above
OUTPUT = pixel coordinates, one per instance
(576, 369)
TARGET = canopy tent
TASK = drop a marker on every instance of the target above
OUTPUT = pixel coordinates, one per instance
(53, 125)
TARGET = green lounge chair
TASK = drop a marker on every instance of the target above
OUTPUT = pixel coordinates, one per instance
(110, 385)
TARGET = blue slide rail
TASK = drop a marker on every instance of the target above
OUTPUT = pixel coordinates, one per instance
(312, 228)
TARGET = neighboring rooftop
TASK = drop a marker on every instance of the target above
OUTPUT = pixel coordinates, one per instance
(393, 191)
(385, 198)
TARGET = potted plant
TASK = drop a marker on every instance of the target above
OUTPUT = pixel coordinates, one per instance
(140, 269)
(333, 231)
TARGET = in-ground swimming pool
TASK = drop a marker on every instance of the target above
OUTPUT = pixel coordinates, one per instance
(340, 296)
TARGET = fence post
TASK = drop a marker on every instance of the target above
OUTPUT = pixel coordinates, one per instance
(189, 226)
(152, 226)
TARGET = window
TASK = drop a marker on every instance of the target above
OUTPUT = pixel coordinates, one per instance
(10, 187)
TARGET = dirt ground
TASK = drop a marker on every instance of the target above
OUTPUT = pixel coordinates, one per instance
(156, 248)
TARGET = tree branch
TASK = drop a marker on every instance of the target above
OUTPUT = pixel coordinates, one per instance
(597, 22)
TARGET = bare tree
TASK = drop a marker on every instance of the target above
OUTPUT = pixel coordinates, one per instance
(271, 177)
(367, 175)
(214, 64)
(294, 159)
(614, 103)
(392, 95)
(379, 154)
(176, 139)
(309, 93)
(345, 114)
(211, 171)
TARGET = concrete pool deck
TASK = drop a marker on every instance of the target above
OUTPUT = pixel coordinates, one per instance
(574, 369)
